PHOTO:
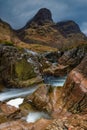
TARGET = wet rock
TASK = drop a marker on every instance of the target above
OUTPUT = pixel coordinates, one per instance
(39, 98)
(46, 98)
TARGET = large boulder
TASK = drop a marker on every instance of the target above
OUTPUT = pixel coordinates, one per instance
(17, 67)
(75, 89)
(46, 98)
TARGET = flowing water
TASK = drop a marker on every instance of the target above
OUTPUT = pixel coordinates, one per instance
(34, 116)
(16, 97)
(13, 93)
(55, 81)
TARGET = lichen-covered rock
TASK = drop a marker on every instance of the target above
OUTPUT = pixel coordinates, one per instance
(16, 67)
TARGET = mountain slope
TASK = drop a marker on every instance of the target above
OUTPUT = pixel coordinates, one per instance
(7, 34)
(42, 30)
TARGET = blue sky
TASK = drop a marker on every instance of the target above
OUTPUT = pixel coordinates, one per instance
(18, 12)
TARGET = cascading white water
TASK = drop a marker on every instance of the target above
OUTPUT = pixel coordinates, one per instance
(55, 81)
(31, 52)
(34, 116)
(18, 93)
(12, 93)
(15, 102)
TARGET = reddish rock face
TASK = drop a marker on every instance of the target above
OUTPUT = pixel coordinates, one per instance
(47, 99)
(39, 98)
(74, 122)
(22, 125)
(7, 109)
(8, 113)
(75, 89)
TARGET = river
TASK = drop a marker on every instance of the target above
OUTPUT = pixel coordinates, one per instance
(15, 97)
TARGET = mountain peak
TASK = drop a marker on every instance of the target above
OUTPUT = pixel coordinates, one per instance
(68, 27)
(42, 16)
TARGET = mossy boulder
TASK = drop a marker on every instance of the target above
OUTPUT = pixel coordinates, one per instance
(24, 70)
(15, 69)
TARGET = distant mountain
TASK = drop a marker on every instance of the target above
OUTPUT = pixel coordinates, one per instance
(42, 16)
(67, 28)
(42, 30)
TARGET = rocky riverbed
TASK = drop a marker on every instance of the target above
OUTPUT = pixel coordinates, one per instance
(36, 96)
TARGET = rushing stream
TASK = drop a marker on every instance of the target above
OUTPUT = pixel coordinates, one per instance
(15, 97)
(13, 93)
(55, 81)
(34, 116)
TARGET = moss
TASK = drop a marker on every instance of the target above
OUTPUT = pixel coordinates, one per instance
(7, 43)
(24, 70)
